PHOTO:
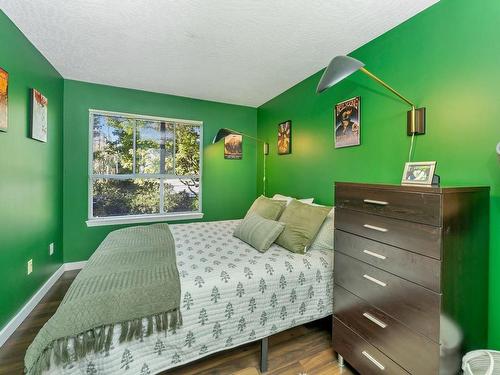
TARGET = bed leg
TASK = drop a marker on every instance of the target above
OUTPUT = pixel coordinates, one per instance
(263, 354)
(341, 360)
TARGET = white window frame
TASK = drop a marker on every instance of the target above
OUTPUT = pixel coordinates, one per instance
(145, 218)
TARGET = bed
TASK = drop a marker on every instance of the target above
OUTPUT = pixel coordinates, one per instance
(230, 295)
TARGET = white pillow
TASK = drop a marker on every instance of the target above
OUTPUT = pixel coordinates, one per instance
(289, 199)
(324, 238)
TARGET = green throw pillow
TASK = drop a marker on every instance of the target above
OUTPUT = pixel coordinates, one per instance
(258, 232)
(303, 222)
(324, 238)
(267, 208)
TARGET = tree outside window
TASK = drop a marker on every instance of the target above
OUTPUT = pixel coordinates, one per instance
(144, 165)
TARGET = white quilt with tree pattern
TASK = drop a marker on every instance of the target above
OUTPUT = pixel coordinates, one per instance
(231, 295)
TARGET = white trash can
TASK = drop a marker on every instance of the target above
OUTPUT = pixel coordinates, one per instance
(450, 346)
(481, 362)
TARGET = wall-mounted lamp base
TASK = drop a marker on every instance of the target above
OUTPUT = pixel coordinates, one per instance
(416, 125)
(266, 148)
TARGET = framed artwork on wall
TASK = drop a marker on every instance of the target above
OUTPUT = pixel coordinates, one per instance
(4, 98)
(233, 147)
(347, 117)
(39, 104)
(285, 138)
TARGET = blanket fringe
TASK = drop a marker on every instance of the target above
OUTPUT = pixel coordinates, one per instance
(99, 339)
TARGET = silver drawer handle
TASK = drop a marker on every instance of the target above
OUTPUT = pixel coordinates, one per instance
(374, 280)
(373, 360)
(379, 203)
(378, 229)
(374, 320)
(374, 254)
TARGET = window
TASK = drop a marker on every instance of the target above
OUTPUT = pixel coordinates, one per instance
(143, 168)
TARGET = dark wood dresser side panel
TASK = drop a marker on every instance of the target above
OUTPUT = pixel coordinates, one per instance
(419, 238)
(420, 269)
(415, 306)
(465, 264)
(358, 352)
(412, 206)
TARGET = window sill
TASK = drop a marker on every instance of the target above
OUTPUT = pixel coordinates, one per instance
(102, 221)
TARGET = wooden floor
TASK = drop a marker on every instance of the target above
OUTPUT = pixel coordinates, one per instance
(300, 350)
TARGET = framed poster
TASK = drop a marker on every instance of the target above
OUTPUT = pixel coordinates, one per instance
(233, 147)
(285, 138)
(39, 104)
(4, 98)
(348, 123)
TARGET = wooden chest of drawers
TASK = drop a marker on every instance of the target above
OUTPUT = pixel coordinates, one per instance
(411, 276)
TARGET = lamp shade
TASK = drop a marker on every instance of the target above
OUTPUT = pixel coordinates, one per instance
(339, 68)
(222, 133)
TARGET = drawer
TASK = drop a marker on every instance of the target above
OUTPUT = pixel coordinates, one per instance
(413, 267)
(394, 339)
(419, 238)
(365, 358)
(419, 207)
(413, 305)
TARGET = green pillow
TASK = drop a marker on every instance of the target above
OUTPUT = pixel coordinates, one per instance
(324, 238)
(267, 208)
(258, 232)
(303, 222)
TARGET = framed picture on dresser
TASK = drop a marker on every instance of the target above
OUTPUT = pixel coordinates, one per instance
(419, 173)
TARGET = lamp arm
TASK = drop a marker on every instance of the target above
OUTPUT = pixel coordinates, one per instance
(266, 152)
(378, 80)
(246, 135)
(266, 145)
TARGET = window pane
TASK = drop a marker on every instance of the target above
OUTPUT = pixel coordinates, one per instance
(141, 146)
(154, 147)
(125, 197)
(182, 195)
(113, 139)
(187, 150)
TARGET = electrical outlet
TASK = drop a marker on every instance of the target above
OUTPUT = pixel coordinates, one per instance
(30, 266)
(51, 249)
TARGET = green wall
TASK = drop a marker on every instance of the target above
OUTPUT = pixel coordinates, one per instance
(31, 175)
(228, 185)
(446, 59)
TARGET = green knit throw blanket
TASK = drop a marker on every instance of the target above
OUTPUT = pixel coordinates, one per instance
(131, 276)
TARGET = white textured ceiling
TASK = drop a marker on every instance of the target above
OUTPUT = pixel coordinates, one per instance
(242, 52)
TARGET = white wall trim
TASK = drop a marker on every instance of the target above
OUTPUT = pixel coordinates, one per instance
(74, 265)
(137, 219)
(16, 321)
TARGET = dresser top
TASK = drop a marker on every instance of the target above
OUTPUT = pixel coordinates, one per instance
(416, 188)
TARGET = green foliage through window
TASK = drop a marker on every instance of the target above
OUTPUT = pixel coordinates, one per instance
(144, 166)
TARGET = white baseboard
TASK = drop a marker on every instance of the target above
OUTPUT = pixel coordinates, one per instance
(74, 265)
(16, 321)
